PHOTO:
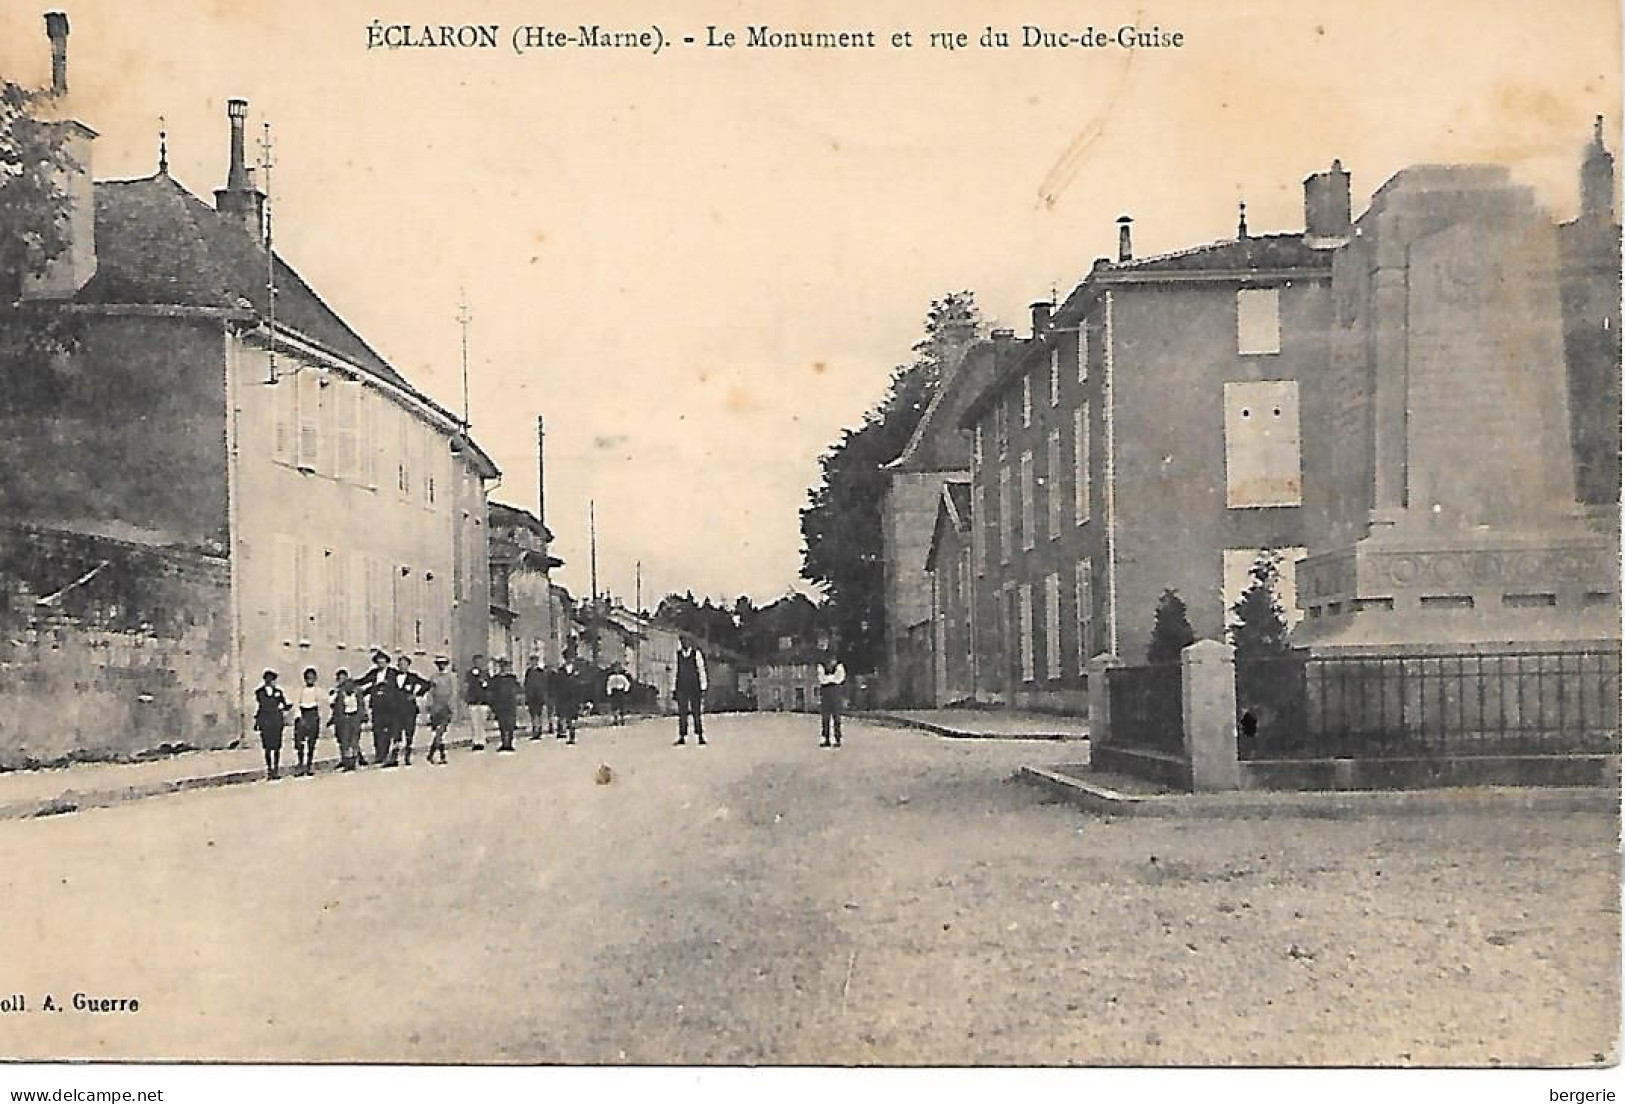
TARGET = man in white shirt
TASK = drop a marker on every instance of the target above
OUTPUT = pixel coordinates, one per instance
(691, 684)
(831, 687)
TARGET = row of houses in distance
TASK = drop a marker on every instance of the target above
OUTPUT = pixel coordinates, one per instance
(1175, 416)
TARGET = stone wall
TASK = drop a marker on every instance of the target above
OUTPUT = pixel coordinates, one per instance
(111, 650)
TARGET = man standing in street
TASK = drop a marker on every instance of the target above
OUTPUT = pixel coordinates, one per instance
(616, 688)
(566, 691)
(381, 705)
(503, 692)
(831, 687)
(536, 679)
(405, 687)
(474, 694)
(690, 692)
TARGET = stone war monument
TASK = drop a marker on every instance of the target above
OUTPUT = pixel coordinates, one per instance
(1440, 498)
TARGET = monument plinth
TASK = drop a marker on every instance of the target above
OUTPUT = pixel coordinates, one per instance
(1441, 502)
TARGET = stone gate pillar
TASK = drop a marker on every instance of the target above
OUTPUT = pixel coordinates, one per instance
(1208, 692)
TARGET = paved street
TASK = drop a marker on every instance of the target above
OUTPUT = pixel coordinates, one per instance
(764, 900)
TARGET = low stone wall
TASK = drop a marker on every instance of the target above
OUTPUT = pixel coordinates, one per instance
(111, 651)
(1167, 770)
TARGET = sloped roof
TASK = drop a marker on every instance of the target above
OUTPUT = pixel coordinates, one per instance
(953, 512)
(1261, 252)
(937, 444)
(157, 244)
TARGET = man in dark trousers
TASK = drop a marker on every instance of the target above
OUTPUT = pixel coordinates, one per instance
(374, 685)
(831, 686)
(474, 697)
(503, 692)
(536, 680)
(690, 692)
(271, 708)
(566, 690)
(405, 687)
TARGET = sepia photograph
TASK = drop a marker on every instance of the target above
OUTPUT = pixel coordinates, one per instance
(781, 537)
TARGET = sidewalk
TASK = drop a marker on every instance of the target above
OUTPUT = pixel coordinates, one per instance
(995, 724)
(67, 789)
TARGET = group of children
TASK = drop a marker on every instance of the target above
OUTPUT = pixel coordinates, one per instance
(391, 698)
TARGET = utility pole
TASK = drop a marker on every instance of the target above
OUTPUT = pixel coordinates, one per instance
(541, 472)
(464, 317)
(266, 163)
(597, 611)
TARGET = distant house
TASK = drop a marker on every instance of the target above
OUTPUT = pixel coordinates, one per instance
(937, 452)
(345, 509)
(787, 637)
(522, 610)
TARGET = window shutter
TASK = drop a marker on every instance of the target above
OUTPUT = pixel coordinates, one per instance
(284, 587)
(309, 389)
(369, 437)
(346, 398)
(1080, 461)
(284, 414)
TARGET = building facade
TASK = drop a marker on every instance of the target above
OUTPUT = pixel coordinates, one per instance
(948, 562)
(348, 507)
(522, 608)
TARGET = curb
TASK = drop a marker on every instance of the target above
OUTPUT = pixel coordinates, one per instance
(73, 801)
(1324, 805)
(893, 720)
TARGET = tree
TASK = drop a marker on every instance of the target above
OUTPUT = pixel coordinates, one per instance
(840, 525)
(34, 211)
(1258, 627)
(1171, 631)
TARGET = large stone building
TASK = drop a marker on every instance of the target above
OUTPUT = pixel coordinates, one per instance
(526, 617)
(347, 507)
(1148, 440)
(936, 453)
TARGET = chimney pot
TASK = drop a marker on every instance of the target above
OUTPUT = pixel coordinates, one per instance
(56, 29)
(1125, 243)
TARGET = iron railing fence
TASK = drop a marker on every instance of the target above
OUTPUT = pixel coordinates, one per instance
(1429, 706)
(1146, 710)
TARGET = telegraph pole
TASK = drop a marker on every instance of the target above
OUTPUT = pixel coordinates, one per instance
(464, 317)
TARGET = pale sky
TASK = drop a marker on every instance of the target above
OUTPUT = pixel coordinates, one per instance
(700, 266)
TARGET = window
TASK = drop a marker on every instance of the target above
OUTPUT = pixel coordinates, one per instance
(346, 422)
(1261, 448)
(1026, 399)
(1052, 627)
(1005, 515)
(1026, 630)
(370, 402)
(308, 591)
(1083, 350)
(1027, 533)
(976, 445)
(1080, 463)
(403, 453)
(978, 530)
(355, 631)
(1085, 612)
(285, 584)
(1258, 321)
(307, 444)
(1055, 374)
(285, 419)
(1001, 428)
(1237, 568)
(1052, 486)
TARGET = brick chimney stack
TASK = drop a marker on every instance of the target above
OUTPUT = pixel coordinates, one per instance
(1597, 178)
(56, 29)
(1327, 214)
(1041, 313)
(240, 199)
(1125, 243)
(73, 267)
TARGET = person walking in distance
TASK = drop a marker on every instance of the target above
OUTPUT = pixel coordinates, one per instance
(440, 695)
(567, 698)
(616, 688)
(347, 700)
(475, 696)
(307, 724)
(503, 693)
(690, 692)
(536, 679)
(270, 713)
(831, 689)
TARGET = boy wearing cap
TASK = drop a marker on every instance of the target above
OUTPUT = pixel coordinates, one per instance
(442, 692)
(346, 697)
(270, 711)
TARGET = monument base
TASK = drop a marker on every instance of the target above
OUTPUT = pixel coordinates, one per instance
(1457, 591)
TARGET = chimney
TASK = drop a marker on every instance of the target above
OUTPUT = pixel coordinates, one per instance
(1041, 312)
(1326, 211)
(1125, 244)
(240, 199)
(73, 267)
(1003, 335)
(56, 29)
(1597, 178)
